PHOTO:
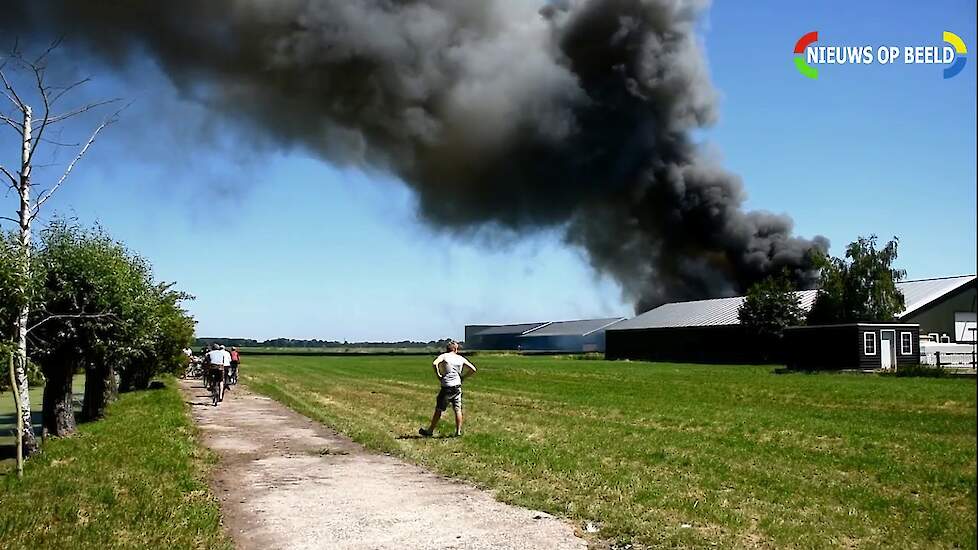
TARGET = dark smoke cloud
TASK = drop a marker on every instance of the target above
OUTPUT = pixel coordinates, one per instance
(574, 114)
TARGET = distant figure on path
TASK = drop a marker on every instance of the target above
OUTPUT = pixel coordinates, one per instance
(450, 368)
(235, 361)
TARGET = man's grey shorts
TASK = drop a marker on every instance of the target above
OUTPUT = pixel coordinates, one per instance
(449, 395)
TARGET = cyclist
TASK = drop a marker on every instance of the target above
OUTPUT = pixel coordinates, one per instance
(215, 361)
(233, 370)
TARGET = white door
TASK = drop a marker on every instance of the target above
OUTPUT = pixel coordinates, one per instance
(887, 349)
(886, 353)
(964, 326)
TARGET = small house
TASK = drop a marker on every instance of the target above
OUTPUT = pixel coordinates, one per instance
(863, 346)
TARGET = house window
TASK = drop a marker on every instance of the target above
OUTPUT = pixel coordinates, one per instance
(869, 343)
(906, 343)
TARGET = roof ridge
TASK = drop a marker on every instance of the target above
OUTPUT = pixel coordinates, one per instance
(936, 278)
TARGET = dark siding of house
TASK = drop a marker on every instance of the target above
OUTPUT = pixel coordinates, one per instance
(823, 348)
(838, 347)
(719, 344)
(868, 361)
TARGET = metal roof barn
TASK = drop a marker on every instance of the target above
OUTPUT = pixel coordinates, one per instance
(709, 330)
(723, 311)
(497, 337)
(585, 335)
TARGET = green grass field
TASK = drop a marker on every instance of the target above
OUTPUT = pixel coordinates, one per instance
(674, 455)
(132, 480)
(352, 349)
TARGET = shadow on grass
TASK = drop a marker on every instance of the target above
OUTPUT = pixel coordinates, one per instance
(8, 427)
(418, 436)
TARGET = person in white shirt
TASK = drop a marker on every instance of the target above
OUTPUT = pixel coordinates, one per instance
(216, 361)
(451, 369)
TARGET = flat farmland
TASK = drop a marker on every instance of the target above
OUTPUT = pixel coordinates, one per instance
(664, 455)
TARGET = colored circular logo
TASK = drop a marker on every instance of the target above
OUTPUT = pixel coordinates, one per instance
(800, 63)
(959, 54)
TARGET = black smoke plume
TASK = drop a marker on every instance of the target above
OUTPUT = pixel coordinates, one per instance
(574, 114)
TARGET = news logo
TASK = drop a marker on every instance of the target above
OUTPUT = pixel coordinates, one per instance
(809, 56)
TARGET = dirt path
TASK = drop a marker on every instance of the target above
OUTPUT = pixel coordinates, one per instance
(286, 481)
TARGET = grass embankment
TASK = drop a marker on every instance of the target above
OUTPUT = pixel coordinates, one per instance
(674, 455)
(132, 480)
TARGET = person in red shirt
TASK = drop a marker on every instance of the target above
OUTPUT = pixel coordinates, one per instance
(233, 371)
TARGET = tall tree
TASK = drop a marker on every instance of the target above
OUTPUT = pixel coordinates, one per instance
(770, 307)
(35, 110)
(862, 287)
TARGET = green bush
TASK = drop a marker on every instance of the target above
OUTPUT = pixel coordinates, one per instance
(918, 370)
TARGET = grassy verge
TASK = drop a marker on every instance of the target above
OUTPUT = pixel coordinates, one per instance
(674, 455)
(132, 480)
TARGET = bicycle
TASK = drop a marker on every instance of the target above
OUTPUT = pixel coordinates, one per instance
(193, 371)
(232, 376)
(215, 384)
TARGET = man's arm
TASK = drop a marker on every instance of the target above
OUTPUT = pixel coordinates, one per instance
(435, 365)
(470, 371)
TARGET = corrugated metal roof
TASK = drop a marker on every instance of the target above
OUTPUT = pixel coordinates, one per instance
(581, 327)
(917, 294)
(723, 311)
(508, 329)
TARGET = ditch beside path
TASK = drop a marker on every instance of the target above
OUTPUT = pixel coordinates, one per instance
(286, 481)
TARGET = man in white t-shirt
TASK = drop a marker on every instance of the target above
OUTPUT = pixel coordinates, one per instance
(216, 361)
(450, 368)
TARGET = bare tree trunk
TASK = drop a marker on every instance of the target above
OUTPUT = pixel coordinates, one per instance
(20, 420)
(58, 419)
(101, 388)
(28, 441)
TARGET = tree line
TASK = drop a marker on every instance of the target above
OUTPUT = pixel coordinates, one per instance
(95, 308)
(314, 343)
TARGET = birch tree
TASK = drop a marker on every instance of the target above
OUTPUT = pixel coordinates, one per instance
(32, 110)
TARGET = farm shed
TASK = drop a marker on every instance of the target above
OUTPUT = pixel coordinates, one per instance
(708, 331)
(944, 308)
(568, 336)
(866, 346)
(497, 337)
(700, 331)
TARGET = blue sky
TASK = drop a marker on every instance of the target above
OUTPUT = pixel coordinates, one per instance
(303, 249)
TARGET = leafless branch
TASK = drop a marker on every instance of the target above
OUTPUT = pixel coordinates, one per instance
(15, 124)
(80, 110)
(47, 195)
(10, 93)
(7, 173)
(65, 89)
(54, 45)
(71, 316)
(9, 219)
(45, 119)
(59, 144)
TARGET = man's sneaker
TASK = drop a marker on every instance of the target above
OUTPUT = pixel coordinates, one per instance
(424, 432)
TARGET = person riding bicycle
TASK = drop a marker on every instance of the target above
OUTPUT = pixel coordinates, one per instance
(214, 362)
(233, 370)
